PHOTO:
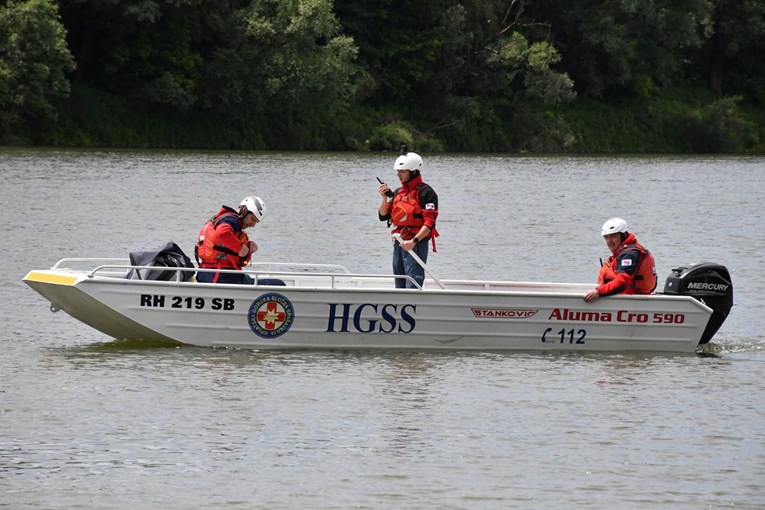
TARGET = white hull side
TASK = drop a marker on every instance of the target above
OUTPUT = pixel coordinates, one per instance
(536, 317)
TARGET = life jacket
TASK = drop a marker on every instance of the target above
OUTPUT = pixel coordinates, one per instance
(210, 251)
(644, 280)
(407, 211)
(406, 214)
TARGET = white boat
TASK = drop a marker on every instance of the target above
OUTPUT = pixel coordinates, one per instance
(328, 307)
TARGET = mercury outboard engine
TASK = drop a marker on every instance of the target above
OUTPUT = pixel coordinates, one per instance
(709, 283)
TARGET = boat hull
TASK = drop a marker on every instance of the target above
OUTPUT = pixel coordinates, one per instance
(354, 312)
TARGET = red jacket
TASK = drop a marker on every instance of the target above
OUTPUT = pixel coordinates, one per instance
(630, 270)
(219, 241)
(415, 204)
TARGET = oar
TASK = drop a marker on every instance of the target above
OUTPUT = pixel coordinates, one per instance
(416, 257)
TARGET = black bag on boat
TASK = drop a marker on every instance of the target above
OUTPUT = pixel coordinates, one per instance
(169, 255)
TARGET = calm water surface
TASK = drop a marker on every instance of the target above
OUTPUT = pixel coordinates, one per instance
(86, 422)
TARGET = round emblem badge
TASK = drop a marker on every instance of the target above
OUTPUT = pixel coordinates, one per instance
(271, 315)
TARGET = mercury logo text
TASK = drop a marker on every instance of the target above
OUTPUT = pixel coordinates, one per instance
(718, 287)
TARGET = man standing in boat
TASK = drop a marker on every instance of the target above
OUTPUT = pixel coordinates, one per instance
(412, 209)
(629, 270)
(223, 244)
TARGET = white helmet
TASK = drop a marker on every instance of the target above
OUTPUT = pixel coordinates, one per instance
(254, 205)
(613, 226)
(408, 161)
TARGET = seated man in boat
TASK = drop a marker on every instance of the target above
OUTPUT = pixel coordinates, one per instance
(412, 209)
(629, 270)
(223, 244)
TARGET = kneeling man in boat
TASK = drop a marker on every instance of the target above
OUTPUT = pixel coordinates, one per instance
(223, 244)
(629, 270)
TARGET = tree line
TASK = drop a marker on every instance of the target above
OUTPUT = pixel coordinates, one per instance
(438, 75)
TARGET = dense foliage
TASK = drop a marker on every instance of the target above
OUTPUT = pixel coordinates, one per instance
(467, 75)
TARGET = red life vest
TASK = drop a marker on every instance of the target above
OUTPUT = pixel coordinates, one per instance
(212, 251)
(407, 211)
(644, 280)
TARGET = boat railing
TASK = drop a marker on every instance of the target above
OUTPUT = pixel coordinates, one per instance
(122, 262)
(329, 275)
(62, 264)
(301, 267)
(331, 280)
(516, 286)
(306, 275)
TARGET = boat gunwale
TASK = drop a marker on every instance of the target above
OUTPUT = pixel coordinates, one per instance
(552, 289)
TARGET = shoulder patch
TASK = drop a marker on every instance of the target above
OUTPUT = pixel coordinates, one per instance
(626, 262)
(430, 207)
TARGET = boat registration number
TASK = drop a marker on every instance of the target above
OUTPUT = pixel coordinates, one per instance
(564, 336)
(196, 303)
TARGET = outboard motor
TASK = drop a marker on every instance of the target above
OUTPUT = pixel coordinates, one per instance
(709, 283)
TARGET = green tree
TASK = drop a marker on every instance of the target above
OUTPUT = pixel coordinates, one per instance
(33, 61)
(142, 50)
(399, 43)
(620, 47)
(284, 65)
(719, 128)
(505, 62)
(258, 73)
(440, 60)
(731, 59)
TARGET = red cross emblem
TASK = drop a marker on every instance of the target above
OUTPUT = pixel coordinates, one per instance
(272, 317)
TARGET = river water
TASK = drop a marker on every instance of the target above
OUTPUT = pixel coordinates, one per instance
(91, 423)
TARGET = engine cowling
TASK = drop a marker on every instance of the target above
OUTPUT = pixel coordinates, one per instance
(708, 282)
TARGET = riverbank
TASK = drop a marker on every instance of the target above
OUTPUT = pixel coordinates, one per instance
(679, 121)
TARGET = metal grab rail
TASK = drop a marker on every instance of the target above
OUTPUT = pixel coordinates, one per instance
(327, 267)
(59, 264)
(500, 286)
(333, 277)
(126, 262)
